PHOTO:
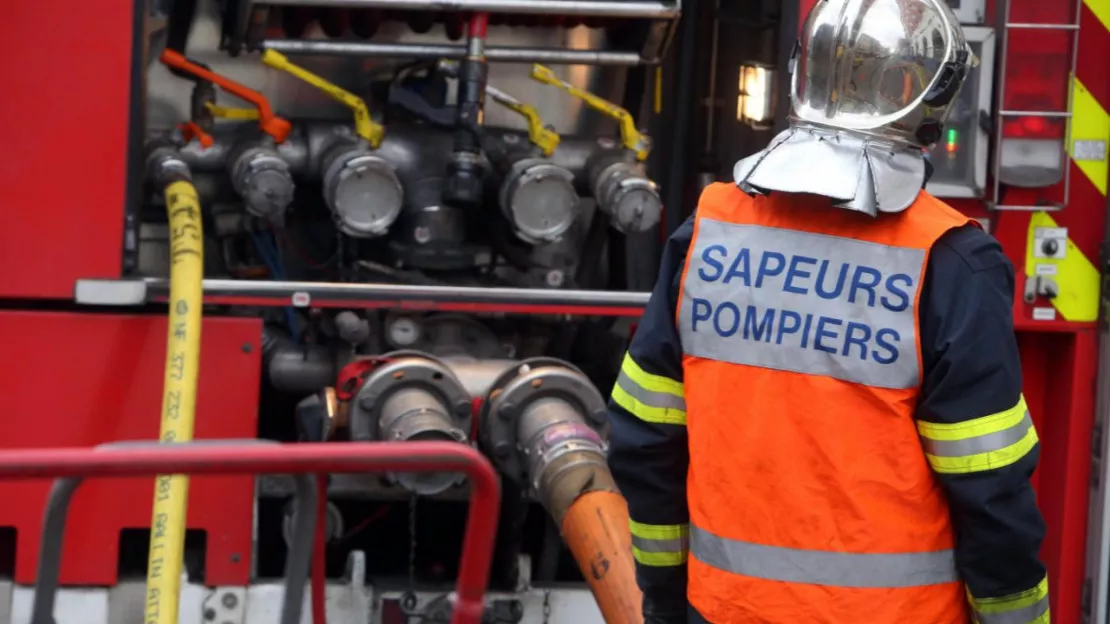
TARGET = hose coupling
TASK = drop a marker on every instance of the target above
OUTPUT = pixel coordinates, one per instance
(412, 396)
(545, 424)
(164, 166)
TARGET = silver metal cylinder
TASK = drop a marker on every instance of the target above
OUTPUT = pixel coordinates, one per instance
(539, 200)
(262, 178)
(549, 430)
(361, 189)
(413, 396)
(299, 369)
(625, 193)
(544, 423)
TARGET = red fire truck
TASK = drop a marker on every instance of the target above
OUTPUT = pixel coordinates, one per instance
(435, 223)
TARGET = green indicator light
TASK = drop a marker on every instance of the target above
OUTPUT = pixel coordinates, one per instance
(953, 135)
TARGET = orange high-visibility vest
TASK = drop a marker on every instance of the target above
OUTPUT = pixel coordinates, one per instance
(810, 497)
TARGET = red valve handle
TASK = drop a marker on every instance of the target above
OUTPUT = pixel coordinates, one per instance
(270, 123)
(190, 131)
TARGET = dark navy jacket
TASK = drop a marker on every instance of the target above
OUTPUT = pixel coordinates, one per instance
(971, 368)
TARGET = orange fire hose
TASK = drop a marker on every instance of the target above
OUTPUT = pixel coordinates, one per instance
(595, 528)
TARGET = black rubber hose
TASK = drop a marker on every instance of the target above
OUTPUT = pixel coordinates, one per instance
(178, 25)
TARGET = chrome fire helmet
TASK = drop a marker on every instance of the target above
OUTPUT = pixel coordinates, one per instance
(873, 82)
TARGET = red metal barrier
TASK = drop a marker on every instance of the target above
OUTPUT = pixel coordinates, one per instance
(306, 458)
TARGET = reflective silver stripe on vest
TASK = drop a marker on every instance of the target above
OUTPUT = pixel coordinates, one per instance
(1023, 615)
(816, 567)
(802, 302)
(980, 444)
(649, 398)
(661, 545)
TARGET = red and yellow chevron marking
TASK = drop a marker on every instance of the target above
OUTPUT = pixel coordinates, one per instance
(1077, 275)
(1090, 102)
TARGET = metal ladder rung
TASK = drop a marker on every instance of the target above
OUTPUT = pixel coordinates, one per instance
(1027, 26)
(1052, 207)
(1022, 113)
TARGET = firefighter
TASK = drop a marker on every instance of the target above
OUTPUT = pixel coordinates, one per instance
(820, 417)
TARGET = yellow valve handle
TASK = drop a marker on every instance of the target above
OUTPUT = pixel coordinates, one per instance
(229, 112)
(365, 127)
(538, 134)
(631, 138)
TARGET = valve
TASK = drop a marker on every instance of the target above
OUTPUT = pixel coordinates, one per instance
(540, 135)
(632, 139)
(268, 121)
(262, 178)
(537, 196)
(360, 187)
(365, 127)
(191, 130)
(622, 188)
(625, 194)
(204, 111)
(539, 200)
(464, 173)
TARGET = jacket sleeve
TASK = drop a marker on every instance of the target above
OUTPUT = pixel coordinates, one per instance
(648, 452)
(976, 430)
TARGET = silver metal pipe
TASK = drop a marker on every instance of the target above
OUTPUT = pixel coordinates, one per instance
(301, 368)
(500, 54)
(477, 376)
(597, 8)
(130, 292)
(355, 292)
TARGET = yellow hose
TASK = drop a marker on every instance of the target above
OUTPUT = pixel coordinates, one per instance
(171, 492)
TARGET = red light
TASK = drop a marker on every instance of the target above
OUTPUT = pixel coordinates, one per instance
(1033, 125)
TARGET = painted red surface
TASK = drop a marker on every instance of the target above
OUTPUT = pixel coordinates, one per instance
(86, 379)
(63, 174)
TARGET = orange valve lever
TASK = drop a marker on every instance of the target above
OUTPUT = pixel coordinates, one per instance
(190, 131)
(270, 123)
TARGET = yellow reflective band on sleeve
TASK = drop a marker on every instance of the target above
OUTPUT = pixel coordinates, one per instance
(659, 545)
(980, 444)
(1027, 607)
(651, 398)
